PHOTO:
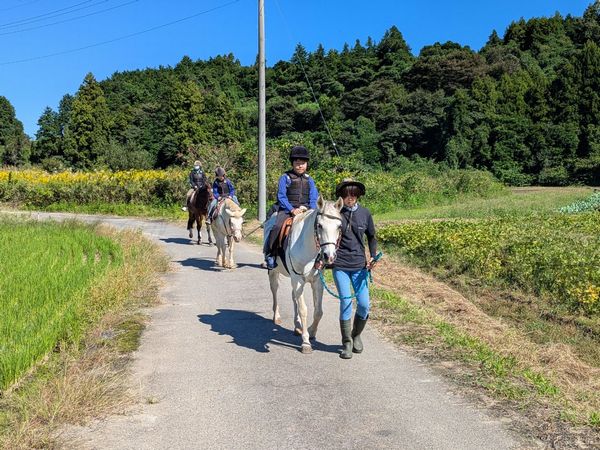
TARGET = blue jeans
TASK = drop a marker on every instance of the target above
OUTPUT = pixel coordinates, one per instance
(358, 280)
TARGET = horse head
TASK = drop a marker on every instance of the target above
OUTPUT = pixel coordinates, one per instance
(236, 219)
(328, 228)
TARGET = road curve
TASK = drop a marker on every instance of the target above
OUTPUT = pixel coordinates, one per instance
(221, 375)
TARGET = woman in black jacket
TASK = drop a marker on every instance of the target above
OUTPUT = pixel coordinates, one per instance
(351, 269)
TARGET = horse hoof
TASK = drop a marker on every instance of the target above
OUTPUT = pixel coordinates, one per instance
(297, 332)
(312, 338)
(306, 349)
(191, 235)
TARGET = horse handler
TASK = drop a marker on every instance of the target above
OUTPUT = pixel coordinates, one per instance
(350, 268)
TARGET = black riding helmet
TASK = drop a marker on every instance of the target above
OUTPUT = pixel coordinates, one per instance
(220, 172)
(299, 152)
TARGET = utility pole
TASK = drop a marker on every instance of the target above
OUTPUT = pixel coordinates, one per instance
(262, 154)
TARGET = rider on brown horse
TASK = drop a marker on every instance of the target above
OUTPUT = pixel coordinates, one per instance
(197, 180)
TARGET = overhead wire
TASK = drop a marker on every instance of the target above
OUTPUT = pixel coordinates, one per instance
(18, 6)
(120, 38)
(27, 19)
(333, 143)
(70, 20)
(51, 16)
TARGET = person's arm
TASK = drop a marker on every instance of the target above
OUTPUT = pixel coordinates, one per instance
(215, 189)
(313, 193)
(191, 179)
(231, 188)
(282, 194)
(371, 240)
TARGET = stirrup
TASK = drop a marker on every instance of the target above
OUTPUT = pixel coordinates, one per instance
(271, 262)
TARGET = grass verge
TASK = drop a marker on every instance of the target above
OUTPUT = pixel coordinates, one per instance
(544, 388)
(84, 378)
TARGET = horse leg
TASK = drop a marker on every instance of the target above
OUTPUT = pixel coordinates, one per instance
(199, 226)
(190, 225)
(208, 227)
(274, 283)
(297, 321)
(220, 251)
(317, 292)
(230, 244)
(298, 296)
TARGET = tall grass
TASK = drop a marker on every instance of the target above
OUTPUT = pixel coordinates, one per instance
(162, 191)
(46, 270)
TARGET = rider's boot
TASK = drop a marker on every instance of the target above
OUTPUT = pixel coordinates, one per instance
(357, 329)
(346, 329)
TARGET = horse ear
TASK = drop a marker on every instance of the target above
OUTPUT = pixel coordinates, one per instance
(339, 204)
(320, 203)
(242, 212)
(229, 212)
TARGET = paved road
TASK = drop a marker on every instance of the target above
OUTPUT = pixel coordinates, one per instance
(225, 377)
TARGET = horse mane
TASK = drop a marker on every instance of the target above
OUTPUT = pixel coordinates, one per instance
(233, 206)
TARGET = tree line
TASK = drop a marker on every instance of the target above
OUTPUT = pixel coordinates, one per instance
(525, 107)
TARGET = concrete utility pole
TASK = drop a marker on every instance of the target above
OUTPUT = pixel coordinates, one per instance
(262, 154)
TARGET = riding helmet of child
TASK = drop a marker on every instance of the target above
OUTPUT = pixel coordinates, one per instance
(299, 152)
(220, 172)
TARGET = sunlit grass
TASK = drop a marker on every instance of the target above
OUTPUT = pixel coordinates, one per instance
(516, 203)
(46, 270)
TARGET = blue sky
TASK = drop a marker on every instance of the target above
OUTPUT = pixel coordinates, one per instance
(32, 85)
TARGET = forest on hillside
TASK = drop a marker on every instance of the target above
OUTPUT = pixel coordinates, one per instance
(525, 107)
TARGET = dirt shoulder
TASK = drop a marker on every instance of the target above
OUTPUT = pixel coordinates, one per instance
(545, 390)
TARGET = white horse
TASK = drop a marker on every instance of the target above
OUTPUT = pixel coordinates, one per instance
(227, 228)
(313, 232)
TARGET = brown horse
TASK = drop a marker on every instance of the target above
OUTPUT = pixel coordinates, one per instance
(197, 206)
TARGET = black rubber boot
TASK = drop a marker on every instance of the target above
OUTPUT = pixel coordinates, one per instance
(357, 329)
(346, 328)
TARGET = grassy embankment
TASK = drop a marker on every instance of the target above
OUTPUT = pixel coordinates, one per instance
(69, 314)
(524, 319)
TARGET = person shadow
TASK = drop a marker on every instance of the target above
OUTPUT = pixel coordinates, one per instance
(253, 331)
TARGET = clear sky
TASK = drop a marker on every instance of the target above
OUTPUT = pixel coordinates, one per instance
(30, 29)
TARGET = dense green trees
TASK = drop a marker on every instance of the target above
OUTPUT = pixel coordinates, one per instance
(526, 106)
(14, 144)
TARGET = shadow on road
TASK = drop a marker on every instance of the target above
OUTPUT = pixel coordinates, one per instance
(186, 241)
(199, 263)
(253, 331)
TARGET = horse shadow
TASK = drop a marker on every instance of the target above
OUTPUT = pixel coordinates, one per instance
(199, 263)
(250, 330)
(185, 241)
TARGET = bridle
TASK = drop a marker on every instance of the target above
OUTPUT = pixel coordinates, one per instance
(318, 242)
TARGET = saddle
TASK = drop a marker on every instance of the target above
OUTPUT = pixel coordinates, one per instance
(285, 231)
(215, 212)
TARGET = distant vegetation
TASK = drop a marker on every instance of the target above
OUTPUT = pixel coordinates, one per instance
(525, 107)
(413, 185)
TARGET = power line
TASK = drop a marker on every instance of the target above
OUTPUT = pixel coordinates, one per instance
(18, 6)
(312, 91)
(51, 15)
(69, 20)
(127, 36)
